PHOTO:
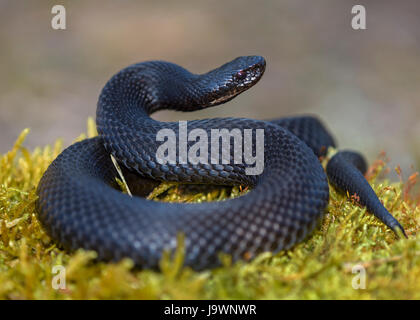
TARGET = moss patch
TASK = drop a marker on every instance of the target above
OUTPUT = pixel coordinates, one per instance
(321, 267)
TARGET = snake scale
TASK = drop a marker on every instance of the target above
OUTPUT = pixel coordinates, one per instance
(80, 205)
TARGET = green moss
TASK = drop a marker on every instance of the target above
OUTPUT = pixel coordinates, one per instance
(320, 267)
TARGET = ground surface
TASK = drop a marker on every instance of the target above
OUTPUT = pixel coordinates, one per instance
(327, 265)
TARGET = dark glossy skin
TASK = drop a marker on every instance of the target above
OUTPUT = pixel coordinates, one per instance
(80, 207)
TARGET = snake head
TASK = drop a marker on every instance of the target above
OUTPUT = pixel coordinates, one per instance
(231, 79)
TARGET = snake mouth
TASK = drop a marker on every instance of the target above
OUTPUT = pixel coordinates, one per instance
(224, 99)
(253, 75)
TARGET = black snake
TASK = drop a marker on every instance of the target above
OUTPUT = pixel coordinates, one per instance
(80, 207)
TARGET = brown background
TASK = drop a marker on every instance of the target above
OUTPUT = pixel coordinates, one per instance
(364, 84)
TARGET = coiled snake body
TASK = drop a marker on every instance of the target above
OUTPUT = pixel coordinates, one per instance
(80, 207)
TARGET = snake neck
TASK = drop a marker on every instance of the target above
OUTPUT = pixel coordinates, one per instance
(144, 88)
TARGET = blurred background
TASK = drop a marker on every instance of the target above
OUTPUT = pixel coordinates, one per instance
(364, 84)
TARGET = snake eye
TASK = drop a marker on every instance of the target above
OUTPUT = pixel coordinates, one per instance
(240, 75)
